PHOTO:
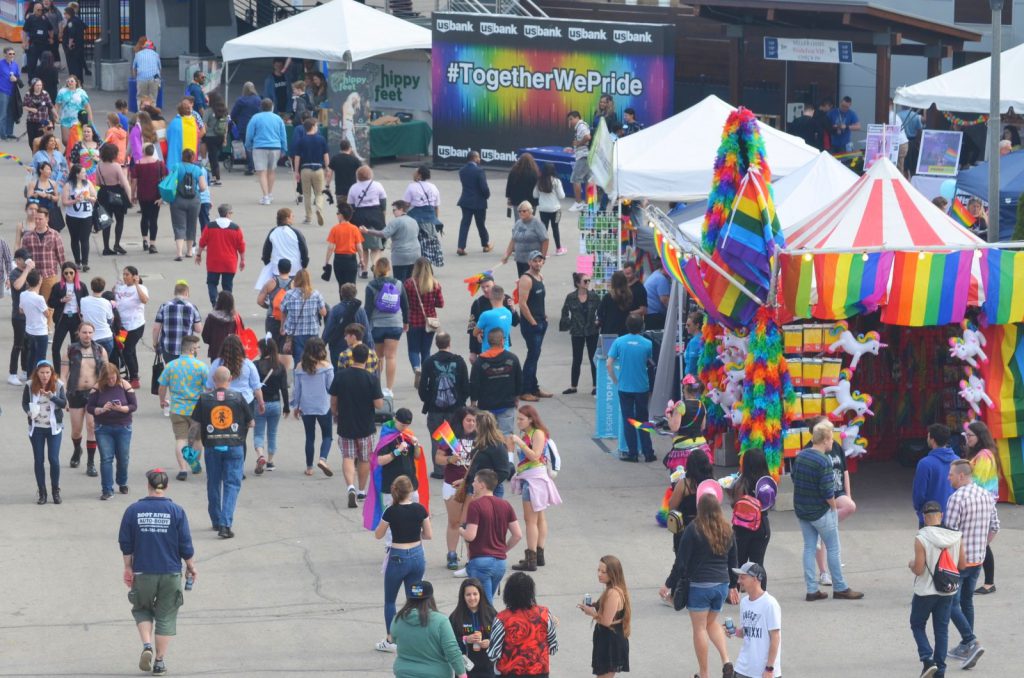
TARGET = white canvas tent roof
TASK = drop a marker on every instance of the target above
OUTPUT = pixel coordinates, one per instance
(966, 89)
(797, 195)
(673, 159)
(339, 31)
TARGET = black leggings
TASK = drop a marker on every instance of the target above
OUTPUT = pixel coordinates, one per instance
(128, 354)
(79, 228)
(150, 211)
(213, 146)
(751, 545)
(577, 358)
(66, 326)
(18, 346)
(346, 269)
(118, 216)
(989, 566)
(551, 219)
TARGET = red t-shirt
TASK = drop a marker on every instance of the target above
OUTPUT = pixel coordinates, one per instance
(492, 516)
(222, 246)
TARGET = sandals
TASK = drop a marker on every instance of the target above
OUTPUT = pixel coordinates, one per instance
(309, 471)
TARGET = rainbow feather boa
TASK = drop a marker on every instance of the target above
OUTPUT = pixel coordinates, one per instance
(711, 373)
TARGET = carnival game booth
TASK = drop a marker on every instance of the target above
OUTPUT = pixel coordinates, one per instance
(350, 41)
(854, 313)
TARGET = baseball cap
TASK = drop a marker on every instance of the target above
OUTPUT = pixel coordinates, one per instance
(766, 489)
(751, 569)
(421, 590)
(157, 478)
(535, 254)
(404, 415)
(709, 486)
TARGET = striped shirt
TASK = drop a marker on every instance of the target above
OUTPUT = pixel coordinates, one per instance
(972, 510)
(146, 64)
(813, 484)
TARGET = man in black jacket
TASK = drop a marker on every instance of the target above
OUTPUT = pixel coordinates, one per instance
(496, 381)
(444, 387)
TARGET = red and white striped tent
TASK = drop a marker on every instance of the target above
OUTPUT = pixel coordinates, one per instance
(881, 210)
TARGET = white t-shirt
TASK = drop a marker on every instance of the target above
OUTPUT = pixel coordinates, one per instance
(131, 308)
(758, 617)
(100, 313)
(34, 307)
(581, 131)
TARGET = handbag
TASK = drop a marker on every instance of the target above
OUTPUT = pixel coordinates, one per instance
(681, 594)
(114, 198)
(158, 369)
(433, 324)
(100, 218)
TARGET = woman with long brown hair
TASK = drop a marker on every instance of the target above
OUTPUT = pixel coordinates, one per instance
(312, 402)
(245, 378)
(302, 310)
(111, 404)
(532, 481)
(705, 559)
(424, 294)
(456, 463)
(612, 615)
(616, 306)
(522, 179)
(387, 304)
(43, 400)
(982, 453)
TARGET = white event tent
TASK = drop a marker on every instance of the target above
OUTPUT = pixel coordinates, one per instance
(339, 31)
(673, 160)
(966, 89)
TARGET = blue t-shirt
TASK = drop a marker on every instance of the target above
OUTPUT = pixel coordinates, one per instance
(657, 285)
(632, 352)
(195, 170)
(841, 141)
(500, 318)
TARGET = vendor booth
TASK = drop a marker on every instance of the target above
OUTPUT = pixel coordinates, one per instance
(966, 89)
(974, 182)
(344, 35)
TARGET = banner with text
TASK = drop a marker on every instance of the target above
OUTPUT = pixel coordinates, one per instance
(809, 50)
(502, 83)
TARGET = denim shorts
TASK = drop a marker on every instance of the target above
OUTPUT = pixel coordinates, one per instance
(703, 599)
(525, 491)
(382, 333)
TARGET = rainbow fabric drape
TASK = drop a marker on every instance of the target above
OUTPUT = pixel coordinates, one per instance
(928, 288)
(373, 507)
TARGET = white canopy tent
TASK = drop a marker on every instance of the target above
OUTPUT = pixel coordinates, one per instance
(341, 31)
(673, 160)
(966, 89)
(797, 195)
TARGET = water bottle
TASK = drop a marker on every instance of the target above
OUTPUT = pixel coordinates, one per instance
(587, 600)
(189, 581)
(167, 410)
(730, 627)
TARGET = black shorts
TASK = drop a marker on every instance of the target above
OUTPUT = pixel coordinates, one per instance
(77, 399)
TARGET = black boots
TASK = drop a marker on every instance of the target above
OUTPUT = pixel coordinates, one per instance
(540, 556)
(42, 496)
(56, 495)
(76, 456)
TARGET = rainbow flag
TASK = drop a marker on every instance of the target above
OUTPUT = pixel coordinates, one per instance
(928, 288)
(444, 434)
(1004, 380)
(753, 236)
(1011, 457)
(647, 426)
(951, 154)
(730, 302)
(850, 284)
(795, 289)
(961, 215)
(1001, 273)
(373, 507)
(473, 282)
(591, 197)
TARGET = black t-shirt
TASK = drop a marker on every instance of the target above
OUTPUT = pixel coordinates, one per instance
(838, 459)
(16, 294)
(495, 458)
(356, 389)
(223, 417)
(37, 28)
(406, 521)
(282, 93)
(344, 166)
(404, 464)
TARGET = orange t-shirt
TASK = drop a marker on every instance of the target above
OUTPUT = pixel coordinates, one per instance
(345, 237)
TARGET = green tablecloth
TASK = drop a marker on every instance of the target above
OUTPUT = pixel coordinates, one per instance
(410, 138)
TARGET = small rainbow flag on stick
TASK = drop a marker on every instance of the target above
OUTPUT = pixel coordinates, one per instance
(592, 197)
(444, 434)
(961, 215)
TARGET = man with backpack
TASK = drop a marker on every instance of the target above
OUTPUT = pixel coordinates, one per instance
(444, 387)
(972, 510)
(270, 298)
(938, 557)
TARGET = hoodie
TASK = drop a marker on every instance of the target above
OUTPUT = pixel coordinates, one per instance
(935, 538)
(223, 241)
(342, 314)
(931, 479)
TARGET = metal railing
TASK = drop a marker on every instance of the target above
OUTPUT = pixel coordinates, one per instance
(259, 13)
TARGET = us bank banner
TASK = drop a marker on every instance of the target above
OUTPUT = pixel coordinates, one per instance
(502, 83)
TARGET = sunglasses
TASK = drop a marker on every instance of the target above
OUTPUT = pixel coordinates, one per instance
(586, 281)
(525, 210)
(71, 273)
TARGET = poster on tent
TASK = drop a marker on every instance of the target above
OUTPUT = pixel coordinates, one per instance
(940, 152)
(501, 83)
(881, 141)
(350, 94)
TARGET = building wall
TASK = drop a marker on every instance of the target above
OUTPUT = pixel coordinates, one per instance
(167, 25)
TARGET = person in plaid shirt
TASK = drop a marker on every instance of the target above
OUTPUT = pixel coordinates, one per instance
(175, 320)
(972, 510)
(354, 334)
(46, 249)
(302, 311)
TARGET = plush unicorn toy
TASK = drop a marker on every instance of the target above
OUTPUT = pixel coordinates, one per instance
(842, 338)
(857, 449)
(856, 402)
(969, 346)
(973, 391)
(735, 345)
(852, 443)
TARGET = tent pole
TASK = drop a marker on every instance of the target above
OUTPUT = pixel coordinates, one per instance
(1014, 245)
(680, 324)
(227, 81)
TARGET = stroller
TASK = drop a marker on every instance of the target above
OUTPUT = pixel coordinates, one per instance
(233, 152)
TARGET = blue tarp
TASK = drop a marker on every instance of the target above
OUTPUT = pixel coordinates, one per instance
(1011, 184)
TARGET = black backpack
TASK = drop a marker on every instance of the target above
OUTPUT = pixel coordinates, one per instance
(187, 186)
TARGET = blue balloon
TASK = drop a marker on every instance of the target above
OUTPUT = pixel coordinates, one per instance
(948, 189)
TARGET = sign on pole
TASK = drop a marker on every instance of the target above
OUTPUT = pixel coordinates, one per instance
(808, 50)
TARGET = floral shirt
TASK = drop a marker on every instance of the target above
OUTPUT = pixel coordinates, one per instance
(185, 379)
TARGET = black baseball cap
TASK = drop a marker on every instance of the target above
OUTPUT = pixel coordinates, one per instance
(421, 590)
(157, 478)
(404, 415)
(752, 569)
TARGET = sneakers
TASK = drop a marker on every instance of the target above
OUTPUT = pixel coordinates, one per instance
(460, 573)
(90, 470)
(825, 579)
(351, 497)
(13, 380)
(929, 670)
(182, 475)
(848, 594)
(146, 659)
(261, 465)
(578, 207)
(971, 654)
(959, 652)
(264, 201)
(270, 466)
(159, 668)
(322, 465)
(361, 496)
(561, 251)
(453, 560)
(387, 393)
(385, 646)
(225, 532)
